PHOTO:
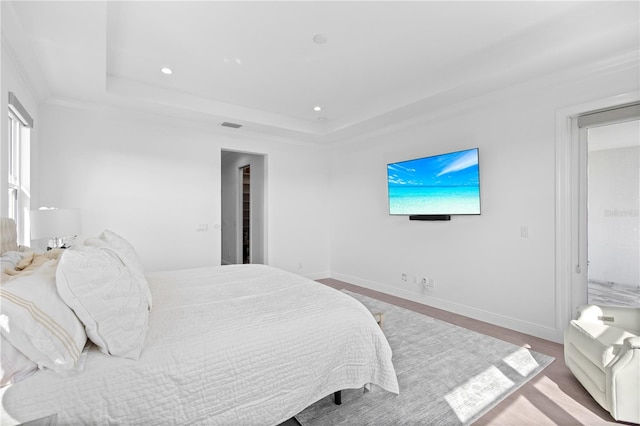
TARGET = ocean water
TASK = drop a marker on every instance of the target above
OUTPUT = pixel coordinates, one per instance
(434, 199)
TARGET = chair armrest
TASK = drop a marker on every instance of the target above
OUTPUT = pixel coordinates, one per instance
(623, 382)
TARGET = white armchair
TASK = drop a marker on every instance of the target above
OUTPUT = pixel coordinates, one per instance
(602, 349)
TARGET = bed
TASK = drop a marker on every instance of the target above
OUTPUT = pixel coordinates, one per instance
(237, 344)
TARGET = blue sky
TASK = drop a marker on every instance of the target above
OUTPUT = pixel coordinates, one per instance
(453, 169)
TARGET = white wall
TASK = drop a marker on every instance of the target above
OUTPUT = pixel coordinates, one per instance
(481, 265)
(614, 189)
(153, 179)
(298, 200)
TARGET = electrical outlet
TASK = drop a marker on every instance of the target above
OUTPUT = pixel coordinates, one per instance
(427, 285)
(404, 277)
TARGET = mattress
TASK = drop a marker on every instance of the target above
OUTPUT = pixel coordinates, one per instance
(238, 344)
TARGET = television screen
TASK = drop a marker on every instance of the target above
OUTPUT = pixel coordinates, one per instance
(443, 184)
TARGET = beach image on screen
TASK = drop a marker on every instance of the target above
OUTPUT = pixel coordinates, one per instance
(443, 184)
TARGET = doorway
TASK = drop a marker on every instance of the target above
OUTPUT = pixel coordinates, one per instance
(245, 209)
(612, 219)
(571, 196)
(243, 206)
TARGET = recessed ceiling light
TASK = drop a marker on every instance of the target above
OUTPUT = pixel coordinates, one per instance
(317, 108)
(320, 39)
(166, 71)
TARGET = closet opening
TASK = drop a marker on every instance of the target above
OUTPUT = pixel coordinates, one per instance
(245, 190)
(243, 205)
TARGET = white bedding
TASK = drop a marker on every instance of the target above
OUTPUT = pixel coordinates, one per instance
(242, 344)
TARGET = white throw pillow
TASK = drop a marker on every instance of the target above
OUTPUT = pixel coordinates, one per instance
(35, 320)
(107, 297)
(14, 365)
(124, 247)
(95, 242)
(9, 260)
(131, 258)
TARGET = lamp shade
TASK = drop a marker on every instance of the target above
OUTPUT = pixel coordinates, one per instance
(54, 223)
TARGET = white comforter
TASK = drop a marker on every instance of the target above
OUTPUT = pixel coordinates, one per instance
(230, 345)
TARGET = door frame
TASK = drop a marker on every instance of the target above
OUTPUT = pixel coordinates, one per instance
(570, 200)
(259, 200)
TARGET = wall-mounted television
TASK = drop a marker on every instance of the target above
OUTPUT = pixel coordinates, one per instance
(440, 185)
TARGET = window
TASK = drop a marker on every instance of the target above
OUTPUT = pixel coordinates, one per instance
(19, 171)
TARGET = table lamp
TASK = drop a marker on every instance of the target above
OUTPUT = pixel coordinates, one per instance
(54, 224)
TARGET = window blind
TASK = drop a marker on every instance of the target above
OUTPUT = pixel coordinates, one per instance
(617, 114)
(20, 112)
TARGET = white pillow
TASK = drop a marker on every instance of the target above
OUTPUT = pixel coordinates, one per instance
(131, 258)
(106, 296)
(9, 260)
(123, 246)
(35, 320)
(95, 242)
(14, 365)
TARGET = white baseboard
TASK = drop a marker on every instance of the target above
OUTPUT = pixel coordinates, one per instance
(521, 326)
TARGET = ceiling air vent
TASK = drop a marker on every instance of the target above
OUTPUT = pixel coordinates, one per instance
(232, 125)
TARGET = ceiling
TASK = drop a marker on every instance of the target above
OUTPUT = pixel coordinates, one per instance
(257, 64)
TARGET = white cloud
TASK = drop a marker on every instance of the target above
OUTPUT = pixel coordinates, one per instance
(467, 160)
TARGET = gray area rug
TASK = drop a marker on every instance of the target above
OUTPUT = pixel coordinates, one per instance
(447, 374)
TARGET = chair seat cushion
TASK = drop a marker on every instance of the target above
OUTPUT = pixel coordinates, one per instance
(598, 342)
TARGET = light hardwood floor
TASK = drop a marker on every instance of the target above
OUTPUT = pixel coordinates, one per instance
(553, 397)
